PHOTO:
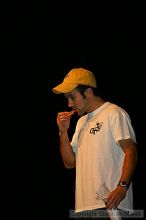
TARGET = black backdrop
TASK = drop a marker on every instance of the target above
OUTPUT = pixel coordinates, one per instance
(40, 43)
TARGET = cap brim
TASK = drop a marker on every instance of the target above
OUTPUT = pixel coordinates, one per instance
(64, 88)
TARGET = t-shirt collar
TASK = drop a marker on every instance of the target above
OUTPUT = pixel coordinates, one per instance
(91, 114)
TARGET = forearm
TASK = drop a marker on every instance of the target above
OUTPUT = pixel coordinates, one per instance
(130, 160)
(129, 165)
(66, 151)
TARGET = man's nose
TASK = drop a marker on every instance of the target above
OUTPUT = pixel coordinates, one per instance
(70, 103)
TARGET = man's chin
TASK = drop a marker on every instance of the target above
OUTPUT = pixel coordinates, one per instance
(80, 113)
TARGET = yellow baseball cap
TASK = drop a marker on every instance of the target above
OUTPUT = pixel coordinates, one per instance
(75, 77)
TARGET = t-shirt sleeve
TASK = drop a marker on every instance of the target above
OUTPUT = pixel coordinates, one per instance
(120, 125)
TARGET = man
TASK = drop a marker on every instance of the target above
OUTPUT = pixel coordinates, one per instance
(103, 148)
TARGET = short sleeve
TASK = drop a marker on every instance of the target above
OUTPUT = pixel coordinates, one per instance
(120, 125)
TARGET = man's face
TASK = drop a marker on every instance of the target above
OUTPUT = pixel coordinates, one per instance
(76, 101)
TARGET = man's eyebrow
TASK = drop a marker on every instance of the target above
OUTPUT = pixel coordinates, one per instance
(68, 95)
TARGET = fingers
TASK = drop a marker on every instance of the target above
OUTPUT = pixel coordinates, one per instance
(65, 115)
(112, 204)
(72, 112)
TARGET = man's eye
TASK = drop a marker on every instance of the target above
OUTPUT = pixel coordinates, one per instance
(71, 97)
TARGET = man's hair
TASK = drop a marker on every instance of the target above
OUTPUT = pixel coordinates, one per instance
(82, 88)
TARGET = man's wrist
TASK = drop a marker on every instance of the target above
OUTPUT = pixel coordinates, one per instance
(62, 132)
(123, 184)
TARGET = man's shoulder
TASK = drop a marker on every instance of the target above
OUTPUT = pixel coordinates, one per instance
(115, 110)
(114, 107)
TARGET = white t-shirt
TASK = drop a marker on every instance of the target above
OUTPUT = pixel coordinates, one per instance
(99, 158)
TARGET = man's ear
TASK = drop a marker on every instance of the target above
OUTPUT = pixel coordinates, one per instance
(88, 92)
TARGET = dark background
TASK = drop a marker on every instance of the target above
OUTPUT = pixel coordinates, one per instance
(40, 43)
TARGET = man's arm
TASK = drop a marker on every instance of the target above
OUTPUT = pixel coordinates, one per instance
(63, 121)
(130, 160)
(66, 150)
